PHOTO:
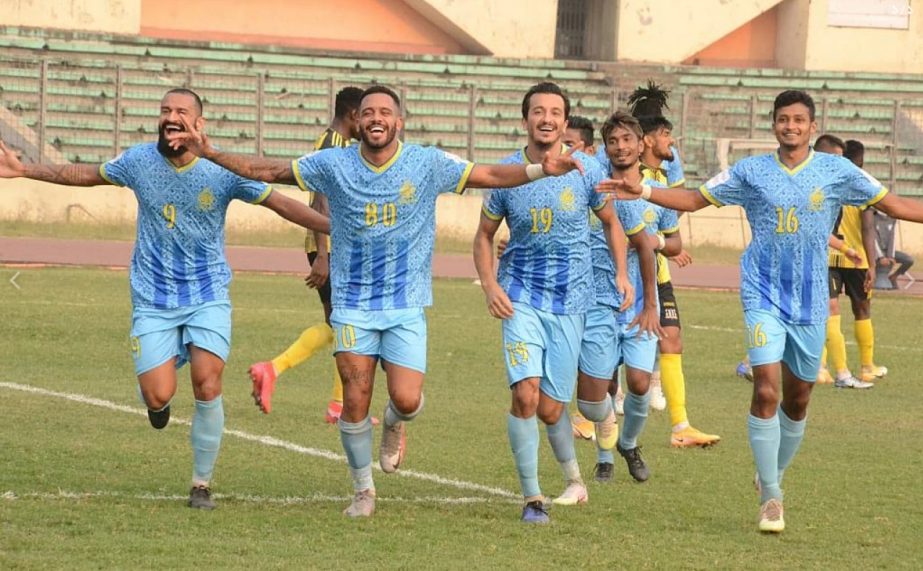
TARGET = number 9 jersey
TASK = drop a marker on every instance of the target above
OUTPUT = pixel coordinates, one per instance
(383, 221)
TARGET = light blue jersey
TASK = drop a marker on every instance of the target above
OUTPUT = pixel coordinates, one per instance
(383, 221)
(547, 263)
(791, 214)
(178, 259)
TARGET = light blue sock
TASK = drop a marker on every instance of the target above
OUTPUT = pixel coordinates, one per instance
(357, 443)
(791, 433)
(604, 456)
(523, 434)
(594, 411)
(635, 418)
(392, 416)
(561, 438)
(764, 442)
(205, 436)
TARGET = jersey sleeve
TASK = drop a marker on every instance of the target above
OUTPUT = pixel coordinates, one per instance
(859, 188)
(631, 215)
(119, 171)
(311, 171)
(250, 191)
(668, 222)
(674, 169)
(726, 187)
(495, 204)
(450, 172)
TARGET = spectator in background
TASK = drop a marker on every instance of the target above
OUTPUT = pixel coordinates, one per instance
(891, 262)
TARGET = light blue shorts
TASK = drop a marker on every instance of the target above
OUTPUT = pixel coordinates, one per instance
(599, 351)
(158, 335)
(397, 336)
(770, 340)
(637, 351)
(543, 345)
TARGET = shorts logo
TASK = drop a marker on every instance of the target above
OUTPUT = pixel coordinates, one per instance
(206, 199)
(408, 193)
(670, 313)
(817, 199)
(567, 199)
(136, 347)
(518, 353)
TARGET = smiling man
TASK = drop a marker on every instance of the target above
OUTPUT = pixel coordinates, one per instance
(791, 198)
(179, 276)
(382, 198)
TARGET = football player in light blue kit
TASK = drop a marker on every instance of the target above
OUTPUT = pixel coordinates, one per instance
(637, 327)
(791, 198)
(542, 294)
(382, 199)
(179, 276)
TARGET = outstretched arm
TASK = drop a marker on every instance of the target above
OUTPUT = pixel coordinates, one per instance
(901, 207)
(682, 199)
(297, 212)
(498, 303)
(505, 176)
(196, 141)
(68, 175)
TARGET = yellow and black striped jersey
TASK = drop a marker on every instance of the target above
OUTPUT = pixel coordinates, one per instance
(849, 229)
(328, 139)
(659, 177)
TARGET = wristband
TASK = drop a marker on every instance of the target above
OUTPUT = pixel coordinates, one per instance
(661, 242)
(646, 191)
(535, 172)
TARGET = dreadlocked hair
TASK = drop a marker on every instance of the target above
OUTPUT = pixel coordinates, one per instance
(648, 101)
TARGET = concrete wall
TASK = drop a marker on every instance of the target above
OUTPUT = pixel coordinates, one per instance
(114, 16)
(456, 216)
(751, 45)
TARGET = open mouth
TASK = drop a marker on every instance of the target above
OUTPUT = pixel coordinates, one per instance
(547, 129)
(173, 128)
(376, 130)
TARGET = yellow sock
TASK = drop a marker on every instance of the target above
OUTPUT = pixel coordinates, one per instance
(836, 345)
(337, 393)
(865, 338)
(311, 339)
(674, 386)
(823, 356)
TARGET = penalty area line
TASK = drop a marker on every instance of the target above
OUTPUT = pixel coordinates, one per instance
(264, 440)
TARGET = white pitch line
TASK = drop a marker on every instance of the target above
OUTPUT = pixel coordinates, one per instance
(265, 440)
(10, 495)
(733, 330)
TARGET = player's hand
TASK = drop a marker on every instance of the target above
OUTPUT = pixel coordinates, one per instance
(682, 259)
(320, 272)
(627, 291)
(192, 137)
(619, 188)
(502, 243)
(563, 163)
(498, 303)
(10, 165)
(887, 262)
(853, 256)
(869, 280)
(648, 321)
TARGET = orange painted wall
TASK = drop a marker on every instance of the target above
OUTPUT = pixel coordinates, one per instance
(751, 45)
(353, 25)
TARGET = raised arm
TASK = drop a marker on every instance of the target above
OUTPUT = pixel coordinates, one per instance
(498, 303)
(297, 212)
(901, 207)
(618, 247)
(682, 199)
(505, 176)
(68, 175)
(267, 170)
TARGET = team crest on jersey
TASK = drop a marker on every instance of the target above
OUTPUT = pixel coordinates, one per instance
(408, 193)
(567, 199)
(817, 199)
(649, 216)
(206, 199)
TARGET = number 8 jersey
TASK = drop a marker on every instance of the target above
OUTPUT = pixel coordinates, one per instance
(383, 221)
(791, 213)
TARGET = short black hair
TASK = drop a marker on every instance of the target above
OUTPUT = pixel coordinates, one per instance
(620, 119)
(651, 124)
(544, 87)
(829, 141)
(855, 151)
(791, 97)
(348, 99)
(381, 89)
(584, 125)
(193, 94)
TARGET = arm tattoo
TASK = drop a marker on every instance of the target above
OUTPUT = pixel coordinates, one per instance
(266, 170)
(68, 175)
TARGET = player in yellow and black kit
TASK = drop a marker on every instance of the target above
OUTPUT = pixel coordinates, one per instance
(343, 129)
(856, 227)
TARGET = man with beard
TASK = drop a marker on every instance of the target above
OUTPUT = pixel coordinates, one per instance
(179, 276)
(382, 196)
(791, 198)
(545, 294)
